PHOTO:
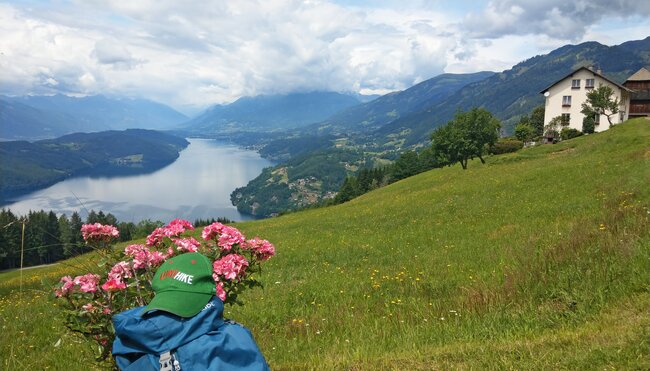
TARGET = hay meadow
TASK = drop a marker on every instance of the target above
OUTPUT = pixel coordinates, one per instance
(539, 259)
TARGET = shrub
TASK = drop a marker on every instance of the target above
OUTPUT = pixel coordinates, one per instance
(588, 124)
(506, 146)
(525, 132)
(568, 133)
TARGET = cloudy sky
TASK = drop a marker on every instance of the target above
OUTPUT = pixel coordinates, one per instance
(190, 54)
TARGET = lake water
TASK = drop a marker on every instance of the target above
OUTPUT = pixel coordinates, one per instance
(197, 185)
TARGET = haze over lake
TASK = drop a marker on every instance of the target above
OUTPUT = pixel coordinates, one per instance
(197, 185)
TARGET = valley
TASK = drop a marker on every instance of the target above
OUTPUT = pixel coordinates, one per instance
(536, 260)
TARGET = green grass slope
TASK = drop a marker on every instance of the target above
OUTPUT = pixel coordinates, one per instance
(537, 260)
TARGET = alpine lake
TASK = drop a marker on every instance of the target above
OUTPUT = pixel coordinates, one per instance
(197, 185)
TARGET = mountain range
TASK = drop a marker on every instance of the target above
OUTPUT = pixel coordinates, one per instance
(379, 130)
(514, 92)
(267, 113)
(39, 117)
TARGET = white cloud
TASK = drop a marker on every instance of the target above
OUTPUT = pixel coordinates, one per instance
(559, 19)
(199, 53)
(112, 52)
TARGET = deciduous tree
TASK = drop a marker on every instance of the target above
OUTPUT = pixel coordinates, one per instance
(525, 132)
(601, 101)
(467, 136)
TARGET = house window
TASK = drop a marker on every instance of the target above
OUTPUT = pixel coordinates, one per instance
(589, 83)
(575, 84)
(566, 119)
(597, 119)
(566, 101)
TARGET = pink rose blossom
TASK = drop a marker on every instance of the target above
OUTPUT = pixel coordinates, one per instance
(262, 249)
(183, 223)
(229, 237)
(98, 232)
(178, 226)
(140, 254)
(189, 244)
(68, 285)
(87, 282)
(143, 258)
(230, 266)
(106, 311)
(113, 285)
(156, 258)
(88, 307)
(120, 271)
(226, 236)
(156, 237)
(221, 293)
(212, 231)
(134, 249)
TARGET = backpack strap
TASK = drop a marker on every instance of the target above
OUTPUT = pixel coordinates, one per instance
(168, 362)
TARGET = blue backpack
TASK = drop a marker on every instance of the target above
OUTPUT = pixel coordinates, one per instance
(164, 341)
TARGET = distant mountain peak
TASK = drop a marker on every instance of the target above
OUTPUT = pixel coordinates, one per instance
(46, 116)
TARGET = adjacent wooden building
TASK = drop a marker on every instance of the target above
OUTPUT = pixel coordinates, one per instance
(639, 84)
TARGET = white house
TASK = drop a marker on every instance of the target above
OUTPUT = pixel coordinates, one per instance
(565, 97)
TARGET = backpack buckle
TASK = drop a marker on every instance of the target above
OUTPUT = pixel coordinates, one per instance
(168, 362)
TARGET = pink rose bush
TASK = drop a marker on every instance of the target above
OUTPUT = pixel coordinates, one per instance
(230, 267)
(98, 232)
(125, 278)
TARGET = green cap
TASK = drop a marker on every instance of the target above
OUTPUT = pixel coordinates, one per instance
(183, 285)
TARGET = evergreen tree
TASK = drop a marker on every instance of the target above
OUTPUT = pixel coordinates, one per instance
(34, 237)
(51, 248)
(75, 243)
(93, 217)
(10, 236)
(110, 219)
(65, 235)
(349, 190)
(406, 165)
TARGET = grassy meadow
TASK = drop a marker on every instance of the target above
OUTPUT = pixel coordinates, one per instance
(538, 259)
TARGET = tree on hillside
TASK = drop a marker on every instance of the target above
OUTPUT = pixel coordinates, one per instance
(525, 132)
(10, 229)
(348, 191)
(466, 136)
(588, 124)
(75, 244)
(406, 165)
(600, 101)
(537, 120)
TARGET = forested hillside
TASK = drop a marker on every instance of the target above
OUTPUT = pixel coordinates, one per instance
(28, 166)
